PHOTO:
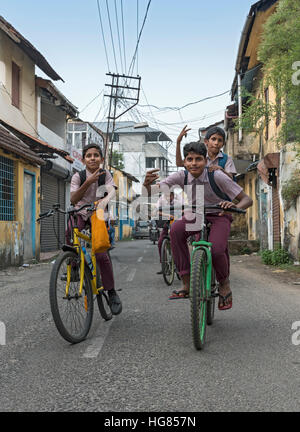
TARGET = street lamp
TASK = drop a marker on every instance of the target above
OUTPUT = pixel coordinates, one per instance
(135, 126)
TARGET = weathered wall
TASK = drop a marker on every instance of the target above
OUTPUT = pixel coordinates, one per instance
(12, 233)
(290, 218)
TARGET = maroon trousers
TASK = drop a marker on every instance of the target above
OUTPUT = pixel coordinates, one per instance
(219, 234)
(103, 260)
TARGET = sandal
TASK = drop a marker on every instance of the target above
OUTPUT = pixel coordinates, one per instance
(179, 295)
(227, 304)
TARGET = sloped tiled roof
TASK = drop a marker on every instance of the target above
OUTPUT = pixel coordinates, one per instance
(9, 142)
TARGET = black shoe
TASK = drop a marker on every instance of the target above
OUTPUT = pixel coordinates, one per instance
(160, 272)
(115, 303)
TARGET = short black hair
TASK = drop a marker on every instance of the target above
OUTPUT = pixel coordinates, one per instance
(89, 146)
(195, 147)
(215, 130)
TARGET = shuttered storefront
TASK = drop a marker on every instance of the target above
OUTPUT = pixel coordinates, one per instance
(53, 191)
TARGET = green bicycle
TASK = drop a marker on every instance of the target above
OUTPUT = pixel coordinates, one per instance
(203, 287)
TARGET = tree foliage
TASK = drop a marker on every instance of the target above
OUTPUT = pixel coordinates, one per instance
(279, 52)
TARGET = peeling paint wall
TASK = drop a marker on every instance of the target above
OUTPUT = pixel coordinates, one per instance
(12, 232)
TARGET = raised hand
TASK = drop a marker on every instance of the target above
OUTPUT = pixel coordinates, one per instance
(151, 176)
(183, 133)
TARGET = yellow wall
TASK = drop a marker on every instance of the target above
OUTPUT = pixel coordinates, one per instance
(12, 233)
(25, 117)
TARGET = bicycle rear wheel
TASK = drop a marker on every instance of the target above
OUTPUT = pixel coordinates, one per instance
(212, 300)
(102, 300)
(198, 298)
(167, 262)
(72, 313)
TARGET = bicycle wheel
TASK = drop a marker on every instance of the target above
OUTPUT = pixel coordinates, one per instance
(102, 300)
(72, 314)
(167, 262)
(212, 300)
(198, 297)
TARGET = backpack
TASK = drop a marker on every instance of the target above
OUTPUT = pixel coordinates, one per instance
(222, 162)
(101, 179)
(212, 183)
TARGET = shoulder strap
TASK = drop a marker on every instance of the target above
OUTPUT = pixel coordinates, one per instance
(101, 179)
(185, 177)
(222, 160)
(215, 187)
(82, 175)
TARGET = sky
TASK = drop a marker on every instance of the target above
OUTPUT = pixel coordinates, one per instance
(187, 52)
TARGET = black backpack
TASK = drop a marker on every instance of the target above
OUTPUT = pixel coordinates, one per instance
(101, 179)
(212, 183)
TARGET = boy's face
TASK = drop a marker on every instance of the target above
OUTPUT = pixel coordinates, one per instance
(195, 164)
(92, 159)
(214, 143)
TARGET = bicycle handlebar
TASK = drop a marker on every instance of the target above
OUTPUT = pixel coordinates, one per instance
(71, 210)
(208, 207)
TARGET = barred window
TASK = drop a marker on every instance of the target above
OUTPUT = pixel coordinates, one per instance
(7, 189)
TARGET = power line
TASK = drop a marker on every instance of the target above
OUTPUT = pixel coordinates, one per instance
(123, 32)
(99, 13)
(117, 21)
(188, 104)
(139, 38)
(96, 97)
(111, 35)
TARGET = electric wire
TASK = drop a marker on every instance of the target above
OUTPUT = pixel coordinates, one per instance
(123, 33)
(103, 37)
(111, 35)
(138, 41)
(119, 40)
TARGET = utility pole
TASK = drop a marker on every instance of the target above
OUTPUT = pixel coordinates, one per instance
(120, 91)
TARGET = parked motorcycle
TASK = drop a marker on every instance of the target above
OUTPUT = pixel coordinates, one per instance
(153, 231)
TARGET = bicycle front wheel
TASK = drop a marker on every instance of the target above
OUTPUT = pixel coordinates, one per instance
(212, 300)
(198, 298)
(72, 313)
(168, 266)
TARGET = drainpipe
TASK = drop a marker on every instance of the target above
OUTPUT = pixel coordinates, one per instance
(240, 106)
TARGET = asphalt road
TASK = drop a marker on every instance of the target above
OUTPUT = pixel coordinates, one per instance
(144, 359)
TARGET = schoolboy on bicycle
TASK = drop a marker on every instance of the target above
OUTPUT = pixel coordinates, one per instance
(86, 190)
(195, 162)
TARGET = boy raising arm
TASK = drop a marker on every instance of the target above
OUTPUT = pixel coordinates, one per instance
(195, 163)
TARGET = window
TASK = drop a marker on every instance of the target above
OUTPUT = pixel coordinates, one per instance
(150, 162)
(15, 85)
(77, 141)
(7, 189)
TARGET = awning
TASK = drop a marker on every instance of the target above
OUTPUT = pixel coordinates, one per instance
(11, 143)
(270, 161)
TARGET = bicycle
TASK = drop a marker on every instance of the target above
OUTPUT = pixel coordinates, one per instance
(203, 287)
(73, 284)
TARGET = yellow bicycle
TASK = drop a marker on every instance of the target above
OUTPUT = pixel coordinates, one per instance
(74, 285)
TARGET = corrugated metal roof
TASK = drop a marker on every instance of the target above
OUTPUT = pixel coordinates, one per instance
(29, 49)
(37, 145)
(9, 142)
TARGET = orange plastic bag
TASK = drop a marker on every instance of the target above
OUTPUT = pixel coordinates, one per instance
(100, 237)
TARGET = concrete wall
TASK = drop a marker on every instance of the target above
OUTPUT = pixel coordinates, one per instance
(12, 233)
(290, 218)
(25, 117)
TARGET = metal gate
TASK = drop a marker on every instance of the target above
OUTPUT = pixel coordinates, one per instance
(53, 191)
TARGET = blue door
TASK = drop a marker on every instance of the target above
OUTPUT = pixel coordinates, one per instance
(29, 216)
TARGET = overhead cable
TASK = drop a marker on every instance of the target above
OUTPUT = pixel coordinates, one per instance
(103, 37)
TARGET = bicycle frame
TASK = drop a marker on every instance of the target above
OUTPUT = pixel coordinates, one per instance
(206, 246)
(76, 243)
